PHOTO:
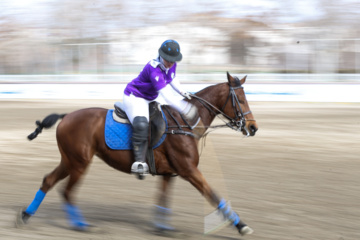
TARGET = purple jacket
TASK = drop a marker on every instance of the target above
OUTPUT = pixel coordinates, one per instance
(150, 80)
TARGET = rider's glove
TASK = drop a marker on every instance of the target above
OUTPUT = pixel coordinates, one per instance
(186, 94)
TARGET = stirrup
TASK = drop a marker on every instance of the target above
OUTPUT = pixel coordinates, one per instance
(140, 168)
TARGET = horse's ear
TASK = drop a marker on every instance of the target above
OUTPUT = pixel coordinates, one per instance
(229, 77)
(235, 81)
(242, 81)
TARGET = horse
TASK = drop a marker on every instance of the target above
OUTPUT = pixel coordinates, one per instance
(80, 136)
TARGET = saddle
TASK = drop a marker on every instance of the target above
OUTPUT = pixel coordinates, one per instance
(157, 121)
(158, 127)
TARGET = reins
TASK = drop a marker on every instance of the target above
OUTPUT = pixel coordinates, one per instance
(207, 105)
(179, 127)
(236, 123)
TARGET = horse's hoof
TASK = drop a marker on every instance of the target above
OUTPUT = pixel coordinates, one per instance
(87, 228)
(21, 218)
(163, 227)
(246, 231)
(169, 233)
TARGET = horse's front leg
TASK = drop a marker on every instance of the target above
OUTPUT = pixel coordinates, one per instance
(162, 211)
(195, 177)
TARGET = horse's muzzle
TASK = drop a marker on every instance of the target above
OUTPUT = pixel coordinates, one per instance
(250, 129)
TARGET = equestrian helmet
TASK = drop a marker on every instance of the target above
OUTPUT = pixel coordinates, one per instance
(170, 51)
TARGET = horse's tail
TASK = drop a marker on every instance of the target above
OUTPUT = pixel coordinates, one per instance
(48, 122)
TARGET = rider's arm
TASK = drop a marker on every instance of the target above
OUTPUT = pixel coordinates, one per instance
(175, 84)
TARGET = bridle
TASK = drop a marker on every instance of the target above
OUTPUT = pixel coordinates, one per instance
(238, 122)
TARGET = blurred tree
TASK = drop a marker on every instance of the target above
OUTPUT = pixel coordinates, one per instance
(58, 36)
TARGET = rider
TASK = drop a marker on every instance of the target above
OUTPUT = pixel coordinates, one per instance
(157, 79)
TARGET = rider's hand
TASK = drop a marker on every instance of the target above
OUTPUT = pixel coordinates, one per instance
(186, 94)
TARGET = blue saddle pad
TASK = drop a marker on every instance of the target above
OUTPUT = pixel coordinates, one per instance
(118, 135)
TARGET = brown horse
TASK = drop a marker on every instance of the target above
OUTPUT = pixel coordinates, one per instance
(80, 136)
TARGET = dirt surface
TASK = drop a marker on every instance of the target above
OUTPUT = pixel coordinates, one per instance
(298, 178)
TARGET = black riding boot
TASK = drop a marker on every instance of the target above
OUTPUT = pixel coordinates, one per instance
(140, 145)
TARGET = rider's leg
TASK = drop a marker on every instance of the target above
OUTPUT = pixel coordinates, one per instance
(140, 144)
(137, 110)
(171, 97)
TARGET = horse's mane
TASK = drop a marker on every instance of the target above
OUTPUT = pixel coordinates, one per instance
(205, 90)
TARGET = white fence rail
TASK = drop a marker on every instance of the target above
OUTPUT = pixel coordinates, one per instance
(185, 78)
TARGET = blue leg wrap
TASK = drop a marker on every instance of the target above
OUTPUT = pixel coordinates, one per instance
(75, 217)
(163, 209)
(162, 217)
(34, 205)
(234, 218)
(222, 204)
(228, 213)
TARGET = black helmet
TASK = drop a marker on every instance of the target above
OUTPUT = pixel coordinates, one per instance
(170, 51)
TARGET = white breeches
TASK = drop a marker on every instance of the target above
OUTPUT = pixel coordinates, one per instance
(135, 106)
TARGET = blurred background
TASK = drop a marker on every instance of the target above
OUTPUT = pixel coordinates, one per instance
(111, 38)
(294, 178)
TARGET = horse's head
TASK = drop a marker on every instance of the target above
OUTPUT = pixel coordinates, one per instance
(237, 108)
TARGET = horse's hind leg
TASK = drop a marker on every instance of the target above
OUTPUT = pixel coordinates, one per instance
(195, 177)
(49, 181)
(74, 214)
(52, 178)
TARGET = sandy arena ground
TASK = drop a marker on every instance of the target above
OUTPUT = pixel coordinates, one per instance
(298, 178)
